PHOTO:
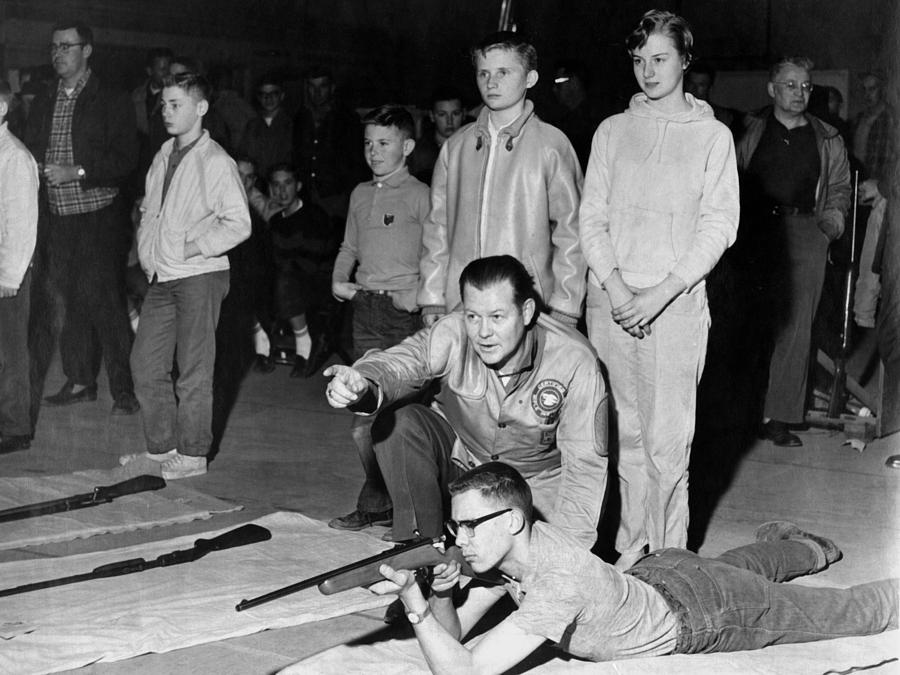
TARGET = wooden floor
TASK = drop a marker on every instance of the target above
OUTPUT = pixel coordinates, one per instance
(284, 449)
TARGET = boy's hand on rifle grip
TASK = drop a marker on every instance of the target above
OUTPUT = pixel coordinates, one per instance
(446, 577)
(346, 386)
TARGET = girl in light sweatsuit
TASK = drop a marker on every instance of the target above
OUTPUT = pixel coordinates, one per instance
(659, 208)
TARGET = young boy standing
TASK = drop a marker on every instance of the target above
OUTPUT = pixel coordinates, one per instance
(506, 184)
(18, 232)
(383, 235)
(194, 211)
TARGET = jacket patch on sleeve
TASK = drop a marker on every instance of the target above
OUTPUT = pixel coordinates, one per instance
(547, 399)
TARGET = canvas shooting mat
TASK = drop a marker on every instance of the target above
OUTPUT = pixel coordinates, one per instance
(174, 503)
(174, 607)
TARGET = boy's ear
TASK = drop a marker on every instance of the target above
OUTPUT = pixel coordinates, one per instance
(531, 79)
(408, 146)
(202, 107)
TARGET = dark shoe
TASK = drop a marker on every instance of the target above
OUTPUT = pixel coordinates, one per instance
(778, 433)
(126, 404)
(65, 396)
(777, 530)
(359, 520)
(317, 356)
(299, 369)
(14, 444)
(263, 364)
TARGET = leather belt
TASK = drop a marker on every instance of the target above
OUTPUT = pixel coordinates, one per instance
(373, 292)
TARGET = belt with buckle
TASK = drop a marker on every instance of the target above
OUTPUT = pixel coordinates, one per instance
(368, 291)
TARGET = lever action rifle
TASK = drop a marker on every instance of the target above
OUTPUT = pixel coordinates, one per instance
(102, 494)
(424, 553)
(241, 536)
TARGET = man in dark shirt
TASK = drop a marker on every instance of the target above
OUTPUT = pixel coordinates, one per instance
(797, 179)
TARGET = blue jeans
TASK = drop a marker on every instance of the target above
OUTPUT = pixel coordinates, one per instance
(734, 602)
(377, 324)
(178, 319)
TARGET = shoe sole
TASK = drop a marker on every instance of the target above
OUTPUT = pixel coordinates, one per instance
(179, 474)
(349, 528)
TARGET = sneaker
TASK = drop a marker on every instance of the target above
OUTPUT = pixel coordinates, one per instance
(359, 520)
(153, 456)
(183, 466)
(781, 529)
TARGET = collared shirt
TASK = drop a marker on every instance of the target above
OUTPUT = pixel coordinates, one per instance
(384, 234)
(70, 198)
(174, 160)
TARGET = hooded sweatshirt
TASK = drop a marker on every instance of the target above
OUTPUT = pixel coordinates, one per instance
(660, 196)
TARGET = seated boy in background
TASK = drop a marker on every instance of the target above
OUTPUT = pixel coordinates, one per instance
(383, 235)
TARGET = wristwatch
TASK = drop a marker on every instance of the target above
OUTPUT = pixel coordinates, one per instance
(416, 617)
(80, 173)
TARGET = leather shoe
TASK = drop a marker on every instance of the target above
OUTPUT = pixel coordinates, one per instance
(263, 364)
(14, 444)
(359, 520)
(778, 433)
(776, 530)
(317, 356)
(126, 404)
(299, 369)
(65, 396)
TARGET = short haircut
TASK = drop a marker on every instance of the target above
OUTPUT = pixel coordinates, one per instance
(574, 68)
(485, 272)
(391, 115)
(85, 34)
(701, 67)
(159, 53)
(318, 70)
(192, 83)
(783, 61)
(497, 482)
(509, 41)
(665, 23)
(270, 80)
(287, 167)
(444, 93)
(5, 91)
(189, 62)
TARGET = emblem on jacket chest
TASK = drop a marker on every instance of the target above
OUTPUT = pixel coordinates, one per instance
(547, 399)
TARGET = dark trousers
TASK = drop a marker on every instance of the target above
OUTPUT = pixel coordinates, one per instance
(178, 319)
(377, 324)
(87, 263)
(15, 419)
(735, 601)
(796, 291)
(413, 446)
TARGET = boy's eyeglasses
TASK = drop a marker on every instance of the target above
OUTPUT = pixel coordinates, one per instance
(805, 87)
(63, 47)
(468, 526)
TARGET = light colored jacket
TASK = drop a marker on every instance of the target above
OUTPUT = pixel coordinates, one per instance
(532, 211)
(833, 187)
(18, 208)
(554, 417)
(660, 196)
(205, 204)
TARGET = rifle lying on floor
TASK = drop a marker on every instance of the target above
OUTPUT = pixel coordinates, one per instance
(102, 494)
(424, 553)
(241, 536)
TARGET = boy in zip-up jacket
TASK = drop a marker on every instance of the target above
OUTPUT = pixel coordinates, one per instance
(194, 211)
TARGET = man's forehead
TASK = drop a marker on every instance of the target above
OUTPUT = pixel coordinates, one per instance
(66, 35)
(450, 104)
(792, 72)
(499, 291)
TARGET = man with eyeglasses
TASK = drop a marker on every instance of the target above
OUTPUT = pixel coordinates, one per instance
(83, 135)
(796, 192)
(268, 138)
(671, 601)
(516, 385)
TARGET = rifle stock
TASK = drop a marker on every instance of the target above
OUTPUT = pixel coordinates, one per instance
(424, 553)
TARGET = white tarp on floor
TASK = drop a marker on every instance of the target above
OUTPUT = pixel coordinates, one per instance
(173, 504)
(173, 607)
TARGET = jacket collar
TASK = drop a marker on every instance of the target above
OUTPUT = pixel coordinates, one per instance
(510, 131)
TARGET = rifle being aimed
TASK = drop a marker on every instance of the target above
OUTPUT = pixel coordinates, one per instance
(417, 555)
